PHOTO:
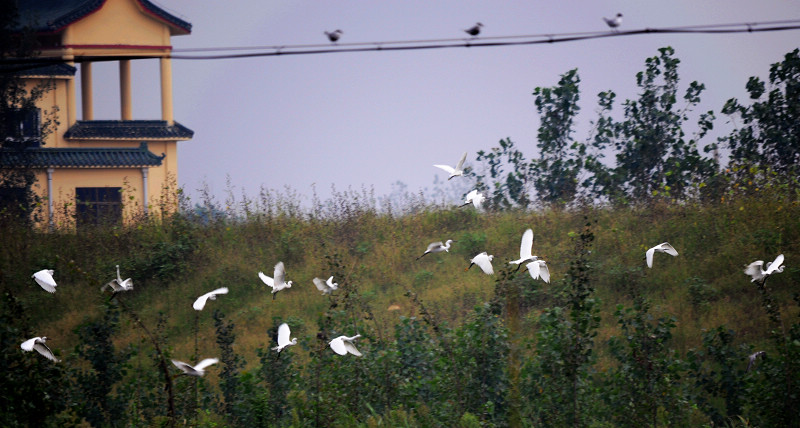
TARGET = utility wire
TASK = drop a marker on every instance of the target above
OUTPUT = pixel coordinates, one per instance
(476, 42)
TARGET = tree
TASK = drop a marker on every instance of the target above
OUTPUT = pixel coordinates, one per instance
(653, 158)
(560, 159)
(769, 135)
(21, 125)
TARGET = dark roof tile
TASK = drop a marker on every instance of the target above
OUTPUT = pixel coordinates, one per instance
(127, 130)
(80, 157)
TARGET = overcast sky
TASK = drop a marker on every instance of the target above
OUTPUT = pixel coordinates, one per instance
(373, 118)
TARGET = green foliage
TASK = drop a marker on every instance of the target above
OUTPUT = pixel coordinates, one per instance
(560, 159)
(503, 190)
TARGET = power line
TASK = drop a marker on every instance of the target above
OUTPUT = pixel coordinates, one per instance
(19, 64)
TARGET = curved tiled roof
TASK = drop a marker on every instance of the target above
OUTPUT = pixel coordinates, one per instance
(37, 157)
(127, 130)
(50, 16)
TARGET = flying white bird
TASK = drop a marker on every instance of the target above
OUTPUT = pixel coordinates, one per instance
(475, 198)
(614, 22)
(484, 261)
(525, 249)
(198, 370)
(118, 284)
(278, 281)
(539, 269)
(752, 357)
(283, 338)
(437, 247)
(37, 343)
(664, 247)
(45, 279)
(759, 275)
(334, 36)
(457, 171)
(343, 344)
(326, 287)
(474, 30)
(200, 303)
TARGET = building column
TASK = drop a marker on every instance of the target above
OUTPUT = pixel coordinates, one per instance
(166, 90)
(125, 89)
(86, 91)
(50, 222)
(144, 189)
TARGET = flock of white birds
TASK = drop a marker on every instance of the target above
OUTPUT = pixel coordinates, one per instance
(343, 345)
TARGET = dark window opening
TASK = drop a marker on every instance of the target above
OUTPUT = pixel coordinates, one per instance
(22, 125)
(98, 206)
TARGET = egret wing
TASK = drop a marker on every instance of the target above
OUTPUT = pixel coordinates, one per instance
(200, 303)
(775, 264)
(45, 280)
(669, 249)
(533, 269)
(447, 168)
(351, 348)
(321, 285)
(28, 344)
(649, 256)
(460, 163)
(483, 262)
(544, 271)
(526, 247)
(280, 274)
(267, 280)
(44, 350)
(433, 245)
(283, 334)
(338, 346)
(205, 363)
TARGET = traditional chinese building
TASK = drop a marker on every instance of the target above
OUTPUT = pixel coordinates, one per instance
(90, 171)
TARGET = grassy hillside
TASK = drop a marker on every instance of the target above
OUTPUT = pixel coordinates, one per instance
(372, 257)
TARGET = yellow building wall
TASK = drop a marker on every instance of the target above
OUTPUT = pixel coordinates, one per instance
(53, 105)
(117, 22)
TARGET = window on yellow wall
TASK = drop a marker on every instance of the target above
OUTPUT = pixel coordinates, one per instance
(98, 206)
(22, 125)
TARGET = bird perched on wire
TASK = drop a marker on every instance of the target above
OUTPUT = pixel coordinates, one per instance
(437, 247)
(343, 344)
(198, 370)
(484, 261)
(760, 275)
(37, 343)
(326, 287)
(334, 36)
(45, 280)
(664, 247)
(614, 22)
(474, 30)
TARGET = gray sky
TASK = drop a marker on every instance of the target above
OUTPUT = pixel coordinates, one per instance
(373, 118)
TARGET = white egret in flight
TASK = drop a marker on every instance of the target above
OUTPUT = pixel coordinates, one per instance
(664, 247)
(200, 303)
(198, 370)
(484, 261)
(45, 279)
(475, 198)
(525, 249)
(37, 343)
(343, 344)
(759, 275)
(326, 287)
(538, 269)
(457, 171)
(117, 284)
(283, 338)
(278, 281)
(437, 247)
(752, 357)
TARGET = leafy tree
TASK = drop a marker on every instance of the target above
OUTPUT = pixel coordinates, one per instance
(17, 198)
(97, 403)
(503, 189)
(560, 159)
(653, 158)
(768, 137)
(230, 363)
